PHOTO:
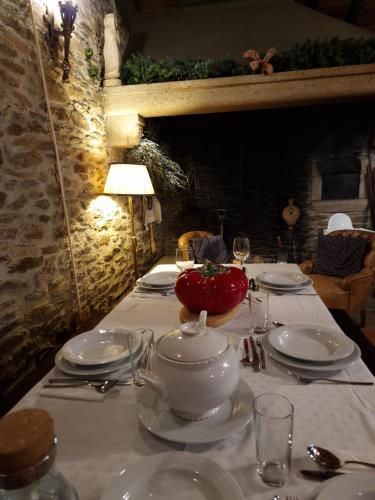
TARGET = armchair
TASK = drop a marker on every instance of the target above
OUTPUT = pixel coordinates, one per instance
(350, 292)
(184, 240)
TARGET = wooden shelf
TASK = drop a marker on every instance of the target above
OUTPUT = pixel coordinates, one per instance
(127, 105)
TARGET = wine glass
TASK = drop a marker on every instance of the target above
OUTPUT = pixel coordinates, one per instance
(241, 248)
(184, 258)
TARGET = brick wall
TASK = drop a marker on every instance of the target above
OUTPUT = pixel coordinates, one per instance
(37, 294)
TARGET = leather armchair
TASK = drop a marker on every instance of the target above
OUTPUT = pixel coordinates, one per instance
(350, 292)
(184, 240)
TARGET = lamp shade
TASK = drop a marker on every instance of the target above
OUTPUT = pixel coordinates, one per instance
(128, 179)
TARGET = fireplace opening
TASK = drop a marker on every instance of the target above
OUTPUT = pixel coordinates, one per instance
(251, 163)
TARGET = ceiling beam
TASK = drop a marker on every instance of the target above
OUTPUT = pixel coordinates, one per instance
(354, 11)
(312, 4)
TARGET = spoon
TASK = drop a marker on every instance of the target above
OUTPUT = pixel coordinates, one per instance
(328, 460)
(102, 388)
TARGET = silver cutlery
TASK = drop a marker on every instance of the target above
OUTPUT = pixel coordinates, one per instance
(320, 474)
(309, 380)
(262, 354)
(328, 460)
(153, 292)
(101, 388)
(277, 323)
(255, 355)
(246, 360)
(80, 381)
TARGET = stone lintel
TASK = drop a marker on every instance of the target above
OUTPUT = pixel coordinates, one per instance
(125, 131)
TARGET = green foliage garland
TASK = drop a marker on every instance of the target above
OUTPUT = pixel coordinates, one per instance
(307, 55)
(167, 176)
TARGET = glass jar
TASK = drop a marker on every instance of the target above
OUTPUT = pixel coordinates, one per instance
(27, 454)
(39, 482)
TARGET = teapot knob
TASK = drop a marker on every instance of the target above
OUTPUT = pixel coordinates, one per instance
(196, 327)
(202, 321)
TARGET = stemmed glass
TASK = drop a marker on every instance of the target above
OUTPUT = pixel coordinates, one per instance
(241, 248)
(184, 258)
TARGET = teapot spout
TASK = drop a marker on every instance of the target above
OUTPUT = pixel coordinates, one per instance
(156, 385)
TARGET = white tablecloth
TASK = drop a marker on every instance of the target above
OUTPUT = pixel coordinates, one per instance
(99, 439)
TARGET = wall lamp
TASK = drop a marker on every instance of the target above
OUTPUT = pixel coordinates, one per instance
(68, 12)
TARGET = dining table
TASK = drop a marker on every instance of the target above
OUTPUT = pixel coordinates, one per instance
(99, 439)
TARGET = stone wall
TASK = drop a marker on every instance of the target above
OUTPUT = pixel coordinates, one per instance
(38, 300)
(251, 163)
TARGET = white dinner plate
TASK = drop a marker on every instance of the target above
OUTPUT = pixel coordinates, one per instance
(234, 414)
(100, 346)
(284, 289)
(311, 342)
(311, 365)
(87, 371)
(284, 278)
(165, 278)
(352, 486)
(174, 476)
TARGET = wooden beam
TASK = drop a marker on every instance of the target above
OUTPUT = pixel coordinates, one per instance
(354, 11)
(154, 4)
(312, 4)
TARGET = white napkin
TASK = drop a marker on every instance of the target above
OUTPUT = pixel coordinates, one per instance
(151, 210)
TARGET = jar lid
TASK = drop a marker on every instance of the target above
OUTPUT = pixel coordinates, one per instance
(191, 343)
(26, 437)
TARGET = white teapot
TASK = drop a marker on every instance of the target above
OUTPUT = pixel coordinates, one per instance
(194, 369)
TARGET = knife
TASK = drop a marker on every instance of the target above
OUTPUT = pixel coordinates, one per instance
(255, 360)
(79, 381)
(321, 474)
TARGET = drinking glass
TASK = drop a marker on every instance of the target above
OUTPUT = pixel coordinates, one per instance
(259, 312)
(241, 248)
(273, 420)
(184, 258)
(282, 256)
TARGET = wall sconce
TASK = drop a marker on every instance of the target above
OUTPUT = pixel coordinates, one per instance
(68, 12)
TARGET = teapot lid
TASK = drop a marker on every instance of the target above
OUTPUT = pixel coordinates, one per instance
(192, 343)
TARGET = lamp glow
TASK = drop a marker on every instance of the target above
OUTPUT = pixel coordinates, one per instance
(132, 180)
(128, 179)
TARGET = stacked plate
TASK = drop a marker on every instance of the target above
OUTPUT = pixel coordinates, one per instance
(99, 352)
(311, 347)
(285, 281)
(158, 282)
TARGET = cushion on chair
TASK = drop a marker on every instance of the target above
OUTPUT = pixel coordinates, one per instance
(339, 255)
(212, 248)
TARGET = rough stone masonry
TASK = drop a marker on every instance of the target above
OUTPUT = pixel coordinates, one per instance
(37, 298)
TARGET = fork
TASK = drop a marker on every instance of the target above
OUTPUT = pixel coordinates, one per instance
(306, 380)
(101, 388)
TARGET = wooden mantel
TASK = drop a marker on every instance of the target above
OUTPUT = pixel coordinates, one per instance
(128, 105)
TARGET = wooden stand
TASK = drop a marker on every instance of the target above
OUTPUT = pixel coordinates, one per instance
(213, 320)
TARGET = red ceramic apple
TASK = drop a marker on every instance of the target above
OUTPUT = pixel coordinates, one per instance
(214, 288)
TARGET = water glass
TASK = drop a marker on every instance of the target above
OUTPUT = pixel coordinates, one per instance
(273, 421)
(184, 258)
(282, 256)
(259, 312)
(241, 248)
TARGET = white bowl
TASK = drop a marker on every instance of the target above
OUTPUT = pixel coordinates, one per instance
(98, 347)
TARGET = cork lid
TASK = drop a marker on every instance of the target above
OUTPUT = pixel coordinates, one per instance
(26, 437)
